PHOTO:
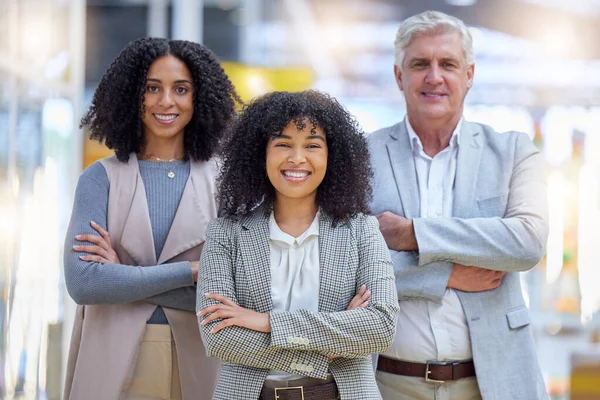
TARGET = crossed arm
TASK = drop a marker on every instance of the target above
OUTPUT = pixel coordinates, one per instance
(473, 254)
(354, 333)
(94, 274)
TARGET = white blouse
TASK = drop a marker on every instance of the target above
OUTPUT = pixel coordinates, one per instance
(294, 273)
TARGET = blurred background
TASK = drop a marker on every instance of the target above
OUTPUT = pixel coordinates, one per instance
(537, 71)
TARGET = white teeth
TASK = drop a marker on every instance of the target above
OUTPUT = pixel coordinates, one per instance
(166, 117)
(433, 95)
(293, 174)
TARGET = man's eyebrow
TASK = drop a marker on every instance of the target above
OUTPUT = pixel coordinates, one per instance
(417, 59)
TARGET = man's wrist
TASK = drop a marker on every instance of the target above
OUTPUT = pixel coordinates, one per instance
(406, 238)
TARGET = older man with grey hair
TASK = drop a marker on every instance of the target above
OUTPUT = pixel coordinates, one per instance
(463, 211)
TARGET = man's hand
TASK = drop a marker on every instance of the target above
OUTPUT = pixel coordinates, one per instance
(231, 314)
(474, 279)
(397, 231)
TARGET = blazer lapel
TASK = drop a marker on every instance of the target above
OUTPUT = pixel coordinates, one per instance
(137, 238)
(467, 170)
(333, 244)
(256, 257)
(403, 168)
(193, 214)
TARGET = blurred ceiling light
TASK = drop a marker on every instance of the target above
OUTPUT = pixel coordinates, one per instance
(336, 37)
(57, 115)
(559, 41)
(36, 38)
(57, 66)
(257, 84)
(462, 3)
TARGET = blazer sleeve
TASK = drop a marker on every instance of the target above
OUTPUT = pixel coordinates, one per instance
(236, 344)
(427, 282)
(514, 242)
(354, 333)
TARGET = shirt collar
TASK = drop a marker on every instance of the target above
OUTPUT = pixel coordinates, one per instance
(415, 141)
(279, 236)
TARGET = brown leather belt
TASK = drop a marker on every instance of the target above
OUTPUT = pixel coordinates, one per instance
(315, 392)
(433, 371)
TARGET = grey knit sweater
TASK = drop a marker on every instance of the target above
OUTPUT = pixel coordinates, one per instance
(168, 285)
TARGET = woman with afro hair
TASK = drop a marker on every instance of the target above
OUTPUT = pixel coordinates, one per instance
(296, 286)
(139, 223)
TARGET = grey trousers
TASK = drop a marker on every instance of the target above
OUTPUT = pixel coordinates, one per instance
(398, 387)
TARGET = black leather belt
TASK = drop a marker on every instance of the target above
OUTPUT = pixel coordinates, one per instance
(433, 371)
(315, 392)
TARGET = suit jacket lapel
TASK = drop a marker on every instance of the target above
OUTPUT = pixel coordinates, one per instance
(467, 169)
(403, 167)
(256, 257)
(193, 214)
(137, 238)
(333, 244)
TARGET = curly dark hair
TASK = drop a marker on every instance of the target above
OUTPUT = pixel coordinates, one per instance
(115, 115)
(243, 182)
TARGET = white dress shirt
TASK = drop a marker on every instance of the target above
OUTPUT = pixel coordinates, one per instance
(427, 330)
(294, 274)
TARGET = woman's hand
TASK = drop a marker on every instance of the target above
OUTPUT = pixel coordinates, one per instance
(103, 252)
(361, 299)
(231, 314)
(195, 266)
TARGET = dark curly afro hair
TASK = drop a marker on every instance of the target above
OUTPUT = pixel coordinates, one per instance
(243, 183)
(115, 115)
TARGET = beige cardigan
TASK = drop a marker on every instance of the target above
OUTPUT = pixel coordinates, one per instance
(105, 339)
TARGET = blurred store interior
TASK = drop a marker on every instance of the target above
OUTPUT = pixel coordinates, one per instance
(537, 70)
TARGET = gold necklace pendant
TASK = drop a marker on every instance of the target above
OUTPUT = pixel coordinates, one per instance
(170, 172)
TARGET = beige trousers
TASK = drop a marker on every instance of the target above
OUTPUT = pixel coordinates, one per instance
(399, 387)
(156, 373)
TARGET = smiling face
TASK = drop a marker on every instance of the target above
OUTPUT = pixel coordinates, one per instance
(296, 162)
(168, 99)
(435, 77)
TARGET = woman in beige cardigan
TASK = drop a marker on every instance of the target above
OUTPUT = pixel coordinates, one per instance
(139, 222)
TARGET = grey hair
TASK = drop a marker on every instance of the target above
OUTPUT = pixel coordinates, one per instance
(431, 22)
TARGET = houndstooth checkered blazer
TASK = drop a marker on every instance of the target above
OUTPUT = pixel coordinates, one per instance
(235, 262)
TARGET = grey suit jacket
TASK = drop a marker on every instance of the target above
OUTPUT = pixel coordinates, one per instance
(499, 222)
(235, 262)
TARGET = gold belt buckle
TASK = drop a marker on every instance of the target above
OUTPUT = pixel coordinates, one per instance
(290, 388)
(427, 372)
